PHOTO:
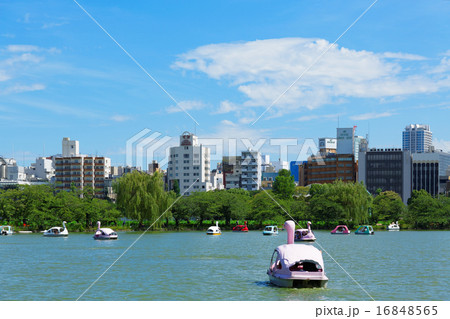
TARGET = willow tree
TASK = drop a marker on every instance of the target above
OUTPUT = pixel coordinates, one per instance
(141, 197)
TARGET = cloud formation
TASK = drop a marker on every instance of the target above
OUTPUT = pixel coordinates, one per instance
(261, 70)
(371, 116)
(185, 106)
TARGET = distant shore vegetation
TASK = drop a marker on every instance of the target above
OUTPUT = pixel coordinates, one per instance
(143, 203)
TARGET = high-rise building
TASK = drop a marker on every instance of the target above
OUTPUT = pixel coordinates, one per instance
(81, 171)
(345, 140)
(189, 164)
(386, 169)
(251, 170)
(360, 142)
(417, 138)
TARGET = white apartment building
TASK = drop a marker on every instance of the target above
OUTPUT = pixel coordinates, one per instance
(251, 170)
(189, 164)
(43, 168)
(217, 179)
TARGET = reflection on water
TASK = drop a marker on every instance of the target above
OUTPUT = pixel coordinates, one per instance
(192, 266)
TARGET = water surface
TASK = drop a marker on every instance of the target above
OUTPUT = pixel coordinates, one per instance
(405, 265)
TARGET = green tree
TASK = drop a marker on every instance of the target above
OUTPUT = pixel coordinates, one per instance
(422, 209)
(388, 206)
(176, 187)
(284, 185)
(141, 196)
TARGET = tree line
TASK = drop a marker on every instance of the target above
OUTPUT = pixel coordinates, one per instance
(141, 197)
(40, 207)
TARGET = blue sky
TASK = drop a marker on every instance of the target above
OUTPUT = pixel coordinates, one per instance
(224, 62)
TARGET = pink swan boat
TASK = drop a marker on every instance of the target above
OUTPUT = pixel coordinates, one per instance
(304, 234)
(296, 266)
(340, 230)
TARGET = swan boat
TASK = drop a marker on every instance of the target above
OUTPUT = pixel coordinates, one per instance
(240, 228)
(365, 230)
(304, 234)
(393, 226)
(57, 231)
(6, 230)
(270, 230)
(340, 230)
(214, 230)
(104, 233)
(296, 266)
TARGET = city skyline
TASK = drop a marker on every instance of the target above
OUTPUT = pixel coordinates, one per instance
(61, 75)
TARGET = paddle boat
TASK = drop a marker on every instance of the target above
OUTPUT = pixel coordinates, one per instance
(340, 230)
(365, 230)
(104, 233)
(304, 234)
(393, 226)
(270, 230)
(240, 228)
(5, 230)
(214, 230)
(296, 266)
(57, 231)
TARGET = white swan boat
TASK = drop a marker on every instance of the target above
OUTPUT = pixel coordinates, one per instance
(270, 230)
(6, 230)
(57, 231)
(393, 226)
(297, 266)
(104, 233)
(214, 230)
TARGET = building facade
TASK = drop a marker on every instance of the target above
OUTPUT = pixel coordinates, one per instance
(430, 172)
(345, 140)
(386, 169)
(70, 147)
(326, 169)
(189, 164)
(82, 172)
(417, 138)
(232, 171)
(327, 145)
(251, 170)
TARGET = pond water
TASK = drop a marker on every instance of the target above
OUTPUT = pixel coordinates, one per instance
(405, 265)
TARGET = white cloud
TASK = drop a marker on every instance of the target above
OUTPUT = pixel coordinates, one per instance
(226, 107)
(370, 116)
(53, 24)
(306, 118)
(185, 106)
(263, 69)
(120, 118)
(403, 56)
(21, 48)
(441, 145)
(4, 76)
(226, 122)
(18, 88)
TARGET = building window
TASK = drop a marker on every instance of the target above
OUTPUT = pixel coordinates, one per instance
(186, 155)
